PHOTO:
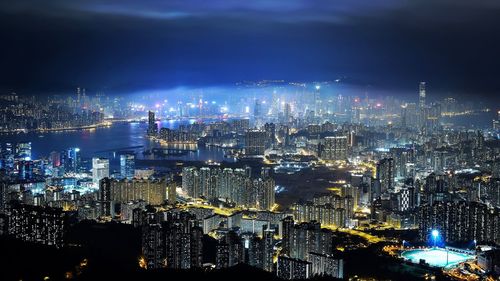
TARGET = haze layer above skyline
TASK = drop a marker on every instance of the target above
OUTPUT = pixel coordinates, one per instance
(129, 46)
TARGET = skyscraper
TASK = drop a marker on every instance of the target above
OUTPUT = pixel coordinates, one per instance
(23, 151)
(290, 268)
(229, 250)
(152, 127)
(326, 265)
(255, 142)
(334, 148)
(153, 192)
(496, 122)
(55, 159)
(153, 240)
(105, 197)
(72, 160)
(422, 112)
(183, 240)
(421, 96)
(268, 250)
(385, 174)
(287, 113)
(127, 165)
(265, 193)
(317, 100)
(257, 113)
(100, 169)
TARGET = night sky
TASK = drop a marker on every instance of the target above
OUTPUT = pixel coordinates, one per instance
(123, 46)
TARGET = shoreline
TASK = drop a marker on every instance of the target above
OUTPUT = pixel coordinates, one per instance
(80, 128)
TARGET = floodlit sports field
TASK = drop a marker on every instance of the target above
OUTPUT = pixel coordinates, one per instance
(436, 257)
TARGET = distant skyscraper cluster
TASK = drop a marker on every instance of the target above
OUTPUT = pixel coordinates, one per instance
(27, 114)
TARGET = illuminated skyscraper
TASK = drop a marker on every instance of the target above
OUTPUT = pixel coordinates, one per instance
(153, 240)
(106, 204)
(55, 159)
(409, 115)
(258, 113)
(100, 169)
(72, 160)
(257, 109)
(496, 122)
(191, 181)
(127, 165)
(268, 250)
(317, 100)
(265, 193)
(153, 192)
(229, 250)
(334, 148)
(287, 113)
(421, 96)
(326, 265)
(8, 155)
(422, 111)
(183, 240)
(385, 174)
(152, 127)
(23, 151)
(255, 142)
(270, 129)
(290, 268)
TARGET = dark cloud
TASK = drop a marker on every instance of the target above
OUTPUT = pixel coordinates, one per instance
(125, 46)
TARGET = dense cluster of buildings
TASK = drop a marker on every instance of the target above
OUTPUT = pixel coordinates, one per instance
(151, 192)
(327, 209)
(402, 167)
(235, 186)
(19, 113)
(460, 221)
(173, 239)
(36, 224)
(170, 240)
